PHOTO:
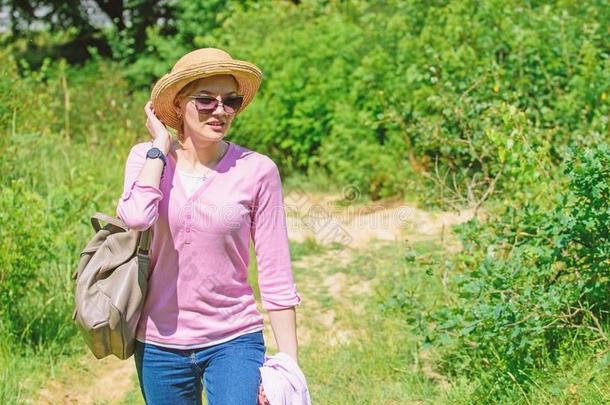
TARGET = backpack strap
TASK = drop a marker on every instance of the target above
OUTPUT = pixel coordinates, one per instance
(144, 252)
(144, 244)
(98, 216)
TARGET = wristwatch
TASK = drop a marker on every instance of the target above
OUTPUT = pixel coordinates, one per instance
(155, 153)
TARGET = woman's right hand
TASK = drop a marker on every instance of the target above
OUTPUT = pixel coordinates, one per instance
(158, 131)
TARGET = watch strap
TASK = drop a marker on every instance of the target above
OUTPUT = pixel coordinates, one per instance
(154, 153)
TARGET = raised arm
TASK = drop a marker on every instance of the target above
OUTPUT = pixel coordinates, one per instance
(138, 206)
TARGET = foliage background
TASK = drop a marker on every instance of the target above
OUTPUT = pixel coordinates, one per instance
(502, 104)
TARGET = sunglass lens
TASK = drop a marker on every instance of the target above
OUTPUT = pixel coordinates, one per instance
(232, 104)
(209, 104)
(206, 103)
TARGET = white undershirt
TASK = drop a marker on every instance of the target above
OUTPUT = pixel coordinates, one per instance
(190, 181)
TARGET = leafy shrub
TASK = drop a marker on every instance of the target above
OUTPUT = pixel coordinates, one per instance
(531, 281)
(481, 89)
(53, 149)
(25, 240)
(470, 97)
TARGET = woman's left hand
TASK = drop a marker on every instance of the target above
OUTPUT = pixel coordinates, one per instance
(262, 399)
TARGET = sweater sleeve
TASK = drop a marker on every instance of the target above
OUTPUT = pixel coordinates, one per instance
(270, 238)
(138, 206)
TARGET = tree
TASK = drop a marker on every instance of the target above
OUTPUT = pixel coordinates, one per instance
(129, 17)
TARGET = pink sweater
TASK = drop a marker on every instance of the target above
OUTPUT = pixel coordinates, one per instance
(198, 290)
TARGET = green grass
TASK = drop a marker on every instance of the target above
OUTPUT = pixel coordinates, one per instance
(69, 170)
(24, 371)
(384, 362)
(310, 246)
(134, 396)
(378, 364)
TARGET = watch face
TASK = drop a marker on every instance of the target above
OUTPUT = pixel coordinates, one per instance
(153, 153)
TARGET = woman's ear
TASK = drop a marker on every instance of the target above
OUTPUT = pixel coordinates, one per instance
(177, 107)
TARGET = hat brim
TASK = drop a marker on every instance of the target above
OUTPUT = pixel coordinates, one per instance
(248, 78)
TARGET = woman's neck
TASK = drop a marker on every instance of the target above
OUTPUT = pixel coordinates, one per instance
(194, 159)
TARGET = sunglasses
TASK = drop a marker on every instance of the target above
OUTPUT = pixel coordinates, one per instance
(208, 104)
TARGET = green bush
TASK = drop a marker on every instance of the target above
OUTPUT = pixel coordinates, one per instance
(448, 89)
(531, 282)
(453, 101)
(25, 240)
(462, 94)
(61, 125)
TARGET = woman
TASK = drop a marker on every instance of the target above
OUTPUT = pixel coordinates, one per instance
(205, 198)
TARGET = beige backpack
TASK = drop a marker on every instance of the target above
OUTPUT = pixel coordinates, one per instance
(111, 285)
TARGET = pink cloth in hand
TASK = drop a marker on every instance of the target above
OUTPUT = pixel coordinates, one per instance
(283, 382)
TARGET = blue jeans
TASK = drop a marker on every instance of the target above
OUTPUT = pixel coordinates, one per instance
(229, 371)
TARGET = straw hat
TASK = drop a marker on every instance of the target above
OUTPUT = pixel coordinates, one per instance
(194, 65)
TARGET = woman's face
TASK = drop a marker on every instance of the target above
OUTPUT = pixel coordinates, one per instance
(199, 125)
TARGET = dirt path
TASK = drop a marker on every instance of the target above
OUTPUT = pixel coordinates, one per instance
(316, 216)
(90, 381)
(323, 218)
